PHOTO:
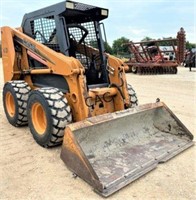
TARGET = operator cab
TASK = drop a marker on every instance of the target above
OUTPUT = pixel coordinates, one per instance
(73, 29)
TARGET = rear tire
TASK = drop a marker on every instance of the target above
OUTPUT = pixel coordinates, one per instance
(15, 96)
(48, 114)
(132, 96)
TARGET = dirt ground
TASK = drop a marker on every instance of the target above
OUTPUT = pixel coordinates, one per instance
(28, 171)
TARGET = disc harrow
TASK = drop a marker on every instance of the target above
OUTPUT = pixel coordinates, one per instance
(157, 56)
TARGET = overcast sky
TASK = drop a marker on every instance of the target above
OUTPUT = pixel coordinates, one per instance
(133, 19)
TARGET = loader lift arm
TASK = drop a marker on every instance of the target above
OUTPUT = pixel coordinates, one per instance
(51, 59)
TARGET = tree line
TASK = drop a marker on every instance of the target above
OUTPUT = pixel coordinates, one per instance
(119, 48)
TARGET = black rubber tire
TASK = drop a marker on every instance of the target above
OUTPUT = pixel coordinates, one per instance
(132, 96)
(57, 112)
(19, 90)
(134, 69)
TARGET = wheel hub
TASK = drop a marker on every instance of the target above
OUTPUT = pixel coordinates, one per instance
(39, 118)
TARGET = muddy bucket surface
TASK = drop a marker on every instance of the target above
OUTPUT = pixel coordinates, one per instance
(112, 150)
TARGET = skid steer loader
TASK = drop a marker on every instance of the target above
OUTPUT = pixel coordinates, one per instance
(60, 81)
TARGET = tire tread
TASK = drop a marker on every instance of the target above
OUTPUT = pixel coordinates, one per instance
(60, 113)
(22, 90)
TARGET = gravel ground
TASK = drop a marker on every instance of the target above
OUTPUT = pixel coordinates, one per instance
(28, 171)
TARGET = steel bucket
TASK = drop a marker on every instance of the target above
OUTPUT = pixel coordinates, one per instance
(112, 150)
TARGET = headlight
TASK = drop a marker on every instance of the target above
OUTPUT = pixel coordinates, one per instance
(69, 5)
(104, 12)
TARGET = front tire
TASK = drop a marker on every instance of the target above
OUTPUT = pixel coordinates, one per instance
(15, 96)
(48, 114)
